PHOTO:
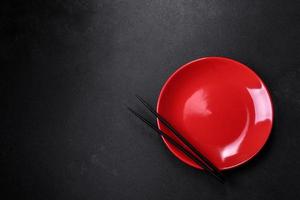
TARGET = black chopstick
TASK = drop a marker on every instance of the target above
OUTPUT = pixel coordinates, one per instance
(178, 135)
(177, 145)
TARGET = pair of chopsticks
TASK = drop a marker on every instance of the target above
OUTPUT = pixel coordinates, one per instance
(200, 159)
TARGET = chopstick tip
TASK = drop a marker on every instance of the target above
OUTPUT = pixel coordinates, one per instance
(128, 108)
(133, 112)
(138, 96)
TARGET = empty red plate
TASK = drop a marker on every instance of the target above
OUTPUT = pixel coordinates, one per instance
(220, 106)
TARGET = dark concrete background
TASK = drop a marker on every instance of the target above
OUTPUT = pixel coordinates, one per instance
(69, 66)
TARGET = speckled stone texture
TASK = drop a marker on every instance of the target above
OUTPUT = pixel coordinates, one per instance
(68, 67)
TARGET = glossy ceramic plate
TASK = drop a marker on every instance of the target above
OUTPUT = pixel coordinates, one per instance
(220, 106)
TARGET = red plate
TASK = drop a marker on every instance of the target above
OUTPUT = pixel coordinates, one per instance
(220, 106)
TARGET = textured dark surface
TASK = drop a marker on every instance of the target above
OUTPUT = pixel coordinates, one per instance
(69, 66)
